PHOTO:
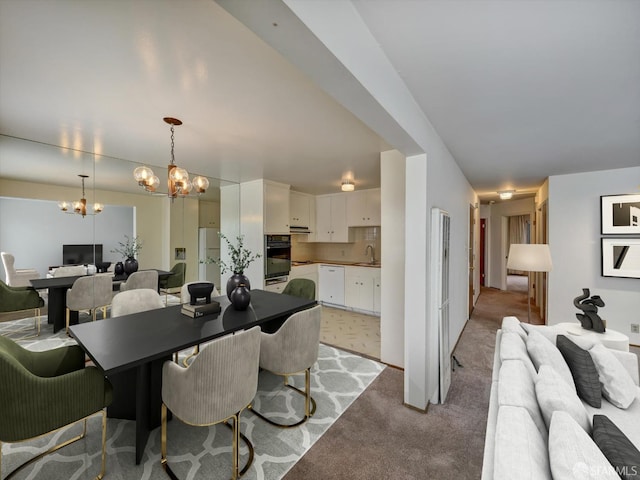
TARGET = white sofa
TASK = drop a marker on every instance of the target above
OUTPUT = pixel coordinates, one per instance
(526, 436)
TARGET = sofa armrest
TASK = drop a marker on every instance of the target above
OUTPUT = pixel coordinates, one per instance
(630, 362)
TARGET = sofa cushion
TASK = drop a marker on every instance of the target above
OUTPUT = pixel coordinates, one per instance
(550, 332)
(573, 454)
(520, 449)
(583, 370)
(516, 389)
(617, 385)
(618, 449)
(553, 394)
(543, 352)
(512, 324)
(512, 347)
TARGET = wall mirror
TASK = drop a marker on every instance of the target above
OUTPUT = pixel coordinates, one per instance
(35, 178)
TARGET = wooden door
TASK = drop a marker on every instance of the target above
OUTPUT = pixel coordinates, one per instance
(472, 223)
(483, 239)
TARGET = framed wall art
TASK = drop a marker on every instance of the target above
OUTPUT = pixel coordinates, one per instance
(621, 257)
(620, 214)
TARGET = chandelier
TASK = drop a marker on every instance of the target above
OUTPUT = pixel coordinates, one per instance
(177, 177)
(80, 206)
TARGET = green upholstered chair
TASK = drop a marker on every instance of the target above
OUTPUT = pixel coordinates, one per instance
(176, 279)
(17, 299)
(45, 391)
(291, 350)
(301, 287)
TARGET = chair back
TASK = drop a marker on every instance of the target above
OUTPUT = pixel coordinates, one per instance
(176, 279)
(301, 287)
(13, 299)
(134, 301)
(89, 292)
(220, 382)
(185, 297)
(141, 279)
(294, 346)
(69, 271)
(15, 277)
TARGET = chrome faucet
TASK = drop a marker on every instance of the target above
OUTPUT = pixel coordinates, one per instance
(373, 253)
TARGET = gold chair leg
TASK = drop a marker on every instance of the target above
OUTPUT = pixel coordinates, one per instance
(309, 402)
(237, 435)
(68, 314)
(55, 448)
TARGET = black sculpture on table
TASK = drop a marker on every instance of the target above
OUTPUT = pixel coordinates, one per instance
(589, 319)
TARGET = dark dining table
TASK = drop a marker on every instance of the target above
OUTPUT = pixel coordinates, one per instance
(57, 296)
(132, 349)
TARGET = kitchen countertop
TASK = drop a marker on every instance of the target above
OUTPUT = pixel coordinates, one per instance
(295, 263)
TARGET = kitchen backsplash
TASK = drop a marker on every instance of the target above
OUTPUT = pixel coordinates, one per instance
(341, 252)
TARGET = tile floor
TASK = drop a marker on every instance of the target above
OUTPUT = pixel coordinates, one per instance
(352, 331)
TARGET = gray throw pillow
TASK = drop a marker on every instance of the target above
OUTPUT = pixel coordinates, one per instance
(583, 370)
(618, 449)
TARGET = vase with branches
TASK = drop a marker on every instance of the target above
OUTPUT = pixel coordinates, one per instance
(129, 249)
(240, 258)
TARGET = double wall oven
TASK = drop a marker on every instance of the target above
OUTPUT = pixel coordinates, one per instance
(277, 258)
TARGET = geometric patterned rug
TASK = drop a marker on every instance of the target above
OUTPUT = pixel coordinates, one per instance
(337, 379)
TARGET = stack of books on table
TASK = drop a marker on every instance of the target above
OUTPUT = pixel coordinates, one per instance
(200, 309)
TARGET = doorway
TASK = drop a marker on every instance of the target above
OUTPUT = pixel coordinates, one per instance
(518, 231)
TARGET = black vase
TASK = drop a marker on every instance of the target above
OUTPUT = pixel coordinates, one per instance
(118, 269)
(234, 282)
(240, 297)
(130, 265)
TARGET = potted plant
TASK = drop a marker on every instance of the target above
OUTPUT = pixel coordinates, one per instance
(129, 250)
(239, 259)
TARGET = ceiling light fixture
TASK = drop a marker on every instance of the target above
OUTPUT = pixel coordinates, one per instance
(80, 206)
(178, 182)
(506, 194)
(348, 186)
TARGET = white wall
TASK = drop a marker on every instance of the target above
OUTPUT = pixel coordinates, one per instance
(35, 230)
(574, 239)
(392, 174)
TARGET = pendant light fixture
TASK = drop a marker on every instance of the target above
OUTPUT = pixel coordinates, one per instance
(178, 183)
(80, 206)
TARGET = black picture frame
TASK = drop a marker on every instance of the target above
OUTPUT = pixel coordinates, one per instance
(620, 214)
(620, 257)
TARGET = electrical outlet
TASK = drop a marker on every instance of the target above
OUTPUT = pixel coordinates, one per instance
(635, 328)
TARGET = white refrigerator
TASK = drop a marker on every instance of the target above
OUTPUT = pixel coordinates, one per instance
(209, 247)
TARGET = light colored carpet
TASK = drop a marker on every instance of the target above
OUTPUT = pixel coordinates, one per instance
(337, 380)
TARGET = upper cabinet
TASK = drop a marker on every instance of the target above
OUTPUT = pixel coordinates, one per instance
(363, 208)
(208, 214)
(276, 208)
(331, 218)
(300, 209)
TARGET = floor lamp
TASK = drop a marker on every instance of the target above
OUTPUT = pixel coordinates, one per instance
(530, 257)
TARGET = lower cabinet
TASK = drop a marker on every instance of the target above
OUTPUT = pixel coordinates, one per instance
(275, 287)
(362, 288)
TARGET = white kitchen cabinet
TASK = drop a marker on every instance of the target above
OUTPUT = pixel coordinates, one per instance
(377, 292)
(299, 209)
(275, 287)
(332, 284)
(208, 214)
(331, 218)
(362, 288)
(276, 208)
(363, 208)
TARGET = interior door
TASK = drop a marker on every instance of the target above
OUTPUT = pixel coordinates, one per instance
(440, 293)
(472, 223)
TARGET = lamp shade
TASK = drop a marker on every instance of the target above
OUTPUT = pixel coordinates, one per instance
(530, 257)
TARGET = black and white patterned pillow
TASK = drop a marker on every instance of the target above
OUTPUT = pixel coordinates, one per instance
(618, 449)
(583, 370)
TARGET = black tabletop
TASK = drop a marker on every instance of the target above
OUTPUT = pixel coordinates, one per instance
(121, 343)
